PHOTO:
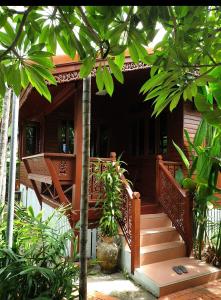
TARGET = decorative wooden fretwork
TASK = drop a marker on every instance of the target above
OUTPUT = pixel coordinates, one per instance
(176, 202)
(74, 75)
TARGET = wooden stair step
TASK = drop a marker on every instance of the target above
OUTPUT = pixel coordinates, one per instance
(158, 235)
(160, 252)
(160, 279)
(154, 220)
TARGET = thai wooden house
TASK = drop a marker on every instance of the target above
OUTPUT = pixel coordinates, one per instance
(156, 225)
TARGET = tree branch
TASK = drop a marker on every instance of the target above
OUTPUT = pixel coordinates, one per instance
(86, 22)
(19, 32)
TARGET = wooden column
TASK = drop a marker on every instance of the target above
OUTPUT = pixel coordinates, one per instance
(76, 195)
(135, 242)
(188, 222)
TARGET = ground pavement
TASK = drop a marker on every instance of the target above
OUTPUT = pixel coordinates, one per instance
(118, 287)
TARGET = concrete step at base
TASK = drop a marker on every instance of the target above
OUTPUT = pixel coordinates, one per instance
(160, 279)
(160, 252)
(154, 220)
(158, 235)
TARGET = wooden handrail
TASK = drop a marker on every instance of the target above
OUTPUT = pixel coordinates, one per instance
(48, 154)
(172, 179)
(130, 222)
(176, 202)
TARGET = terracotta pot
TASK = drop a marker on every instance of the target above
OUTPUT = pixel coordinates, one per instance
(107, 254)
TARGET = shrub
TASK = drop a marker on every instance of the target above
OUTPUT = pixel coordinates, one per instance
(37, 266)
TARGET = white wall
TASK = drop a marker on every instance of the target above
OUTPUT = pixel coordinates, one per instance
(29, 198)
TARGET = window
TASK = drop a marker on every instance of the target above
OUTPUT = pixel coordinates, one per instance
(66, 137)
(32, 138)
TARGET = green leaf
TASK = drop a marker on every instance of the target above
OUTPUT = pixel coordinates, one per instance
(201, 104)
(179, 176)
(133, 53)
(175, 101)
(200, 134)
(119, 60)
(187, 94)
(37, 82)
(44, 34)
(194, 89)
(44, 73)
(9, 30)
(52, 42)
(86, 67)
(154, 81)
(24, 78)
(182, 155)
(116, 71)
(5, 39)
(99, 79)
(45, 62)
(108, 81)
(117, 49)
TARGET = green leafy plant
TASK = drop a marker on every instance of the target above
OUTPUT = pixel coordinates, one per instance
(37, 266)
(202, 173)
(110, 199)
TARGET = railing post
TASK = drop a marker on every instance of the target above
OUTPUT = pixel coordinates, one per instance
(159, 159)
(188, 223)
(135, 242)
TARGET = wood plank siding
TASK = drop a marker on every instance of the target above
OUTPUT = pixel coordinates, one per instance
(191, 120)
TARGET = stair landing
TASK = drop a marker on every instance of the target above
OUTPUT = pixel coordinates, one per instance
(160, 279)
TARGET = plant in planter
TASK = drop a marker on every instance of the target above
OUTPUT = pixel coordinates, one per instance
(107, 248)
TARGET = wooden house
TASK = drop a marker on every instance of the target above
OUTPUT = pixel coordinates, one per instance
(156, 225)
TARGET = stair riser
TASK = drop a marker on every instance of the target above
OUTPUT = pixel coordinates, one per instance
(157, 238)
(185, 284)
(161, 255)
(146, 223)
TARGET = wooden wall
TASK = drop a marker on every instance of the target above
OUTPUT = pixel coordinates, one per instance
(191, 120)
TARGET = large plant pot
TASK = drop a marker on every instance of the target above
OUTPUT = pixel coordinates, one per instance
(107, 254)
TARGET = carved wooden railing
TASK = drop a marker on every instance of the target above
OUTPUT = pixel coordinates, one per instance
(52, 176)
(176, 202)
(97, 165)
(130, 221)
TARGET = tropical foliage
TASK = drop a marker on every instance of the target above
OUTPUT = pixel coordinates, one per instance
(110, 198)
(30, 36)
(187, 59)
(201, 179)
(37, 266)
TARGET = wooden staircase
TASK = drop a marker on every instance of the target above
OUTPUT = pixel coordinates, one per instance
(161, 248)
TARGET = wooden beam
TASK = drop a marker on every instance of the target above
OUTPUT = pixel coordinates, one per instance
(57, 185)
(33, 182)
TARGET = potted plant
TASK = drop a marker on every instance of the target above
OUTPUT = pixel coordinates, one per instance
(110, 201)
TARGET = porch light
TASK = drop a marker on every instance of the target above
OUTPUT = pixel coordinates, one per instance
(101, 93)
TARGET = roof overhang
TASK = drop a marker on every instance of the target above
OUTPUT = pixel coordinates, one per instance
(67, 69)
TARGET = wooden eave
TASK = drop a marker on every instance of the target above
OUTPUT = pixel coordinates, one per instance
(67, 69)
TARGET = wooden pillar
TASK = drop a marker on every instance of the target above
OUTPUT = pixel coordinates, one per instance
(135, 242)
(76, 195)
(188, 222)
